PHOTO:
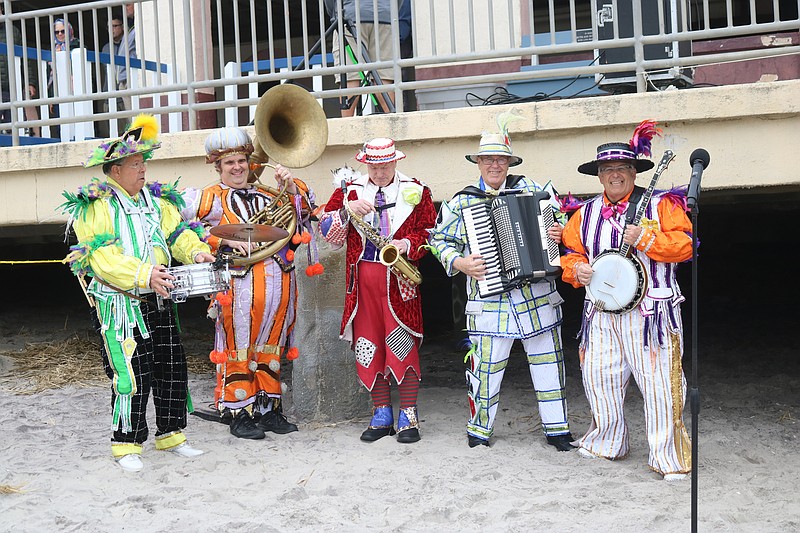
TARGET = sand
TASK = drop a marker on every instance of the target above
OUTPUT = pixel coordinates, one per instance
(56, 467)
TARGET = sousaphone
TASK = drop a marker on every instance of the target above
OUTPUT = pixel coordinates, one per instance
(291, 129)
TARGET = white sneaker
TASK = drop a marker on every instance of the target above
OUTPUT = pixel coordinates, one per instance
(184, 450)
(674, 477)
(131, 462)
(583, 452)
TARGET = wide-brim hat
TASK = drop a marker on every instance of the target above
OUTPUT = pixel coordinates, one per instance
(141, 137)
(226, 142)
(495, 144)
(615, 152)
(379, 150)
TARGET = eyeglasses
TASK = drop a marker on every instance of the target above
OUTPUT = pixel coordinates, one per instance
(59, 31)
(611, 170)
(502, 161)
(139, 165)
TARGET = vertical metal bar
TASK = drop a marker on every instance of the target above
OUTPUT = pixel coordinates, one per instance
(220, 38)
(452, 21)
(432, 22)
(254, 37)
(638, 49)
(306, 57)
(728, 12)
(753, 17)
(205, 38)
(288, 33)
(398, 73)
(573, 22)
(490, 17)
(188, 43)
(532, 22)
(471, 21)
(271, 35)
(552, 20)
(512, 34)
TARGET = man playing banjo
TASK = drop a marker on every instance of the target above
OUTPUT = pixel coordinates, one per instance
(632, 323)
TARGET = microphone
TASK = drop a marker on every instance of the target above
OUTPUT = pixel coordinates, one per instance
(699, 161)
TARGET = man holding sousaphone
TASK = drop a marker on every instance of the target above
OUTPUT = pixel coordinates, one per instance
(383, 218)
(257, 229)
(632, 320)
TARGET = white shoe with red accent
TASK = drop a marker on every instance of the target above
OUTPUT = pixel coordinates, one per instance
(583, 452)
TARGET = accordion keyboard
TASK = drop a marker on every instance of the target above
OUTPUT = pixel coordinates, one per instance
(480, 238)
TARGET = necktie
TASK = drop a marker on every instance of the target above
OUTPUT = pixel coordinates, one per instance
(612, 210)
(383, 214)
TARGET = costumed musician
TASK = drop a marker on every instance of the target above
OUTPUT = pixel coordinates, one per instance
(645, 342)
(254, 321)
(382, 316)
(128, 232)
(531, 313)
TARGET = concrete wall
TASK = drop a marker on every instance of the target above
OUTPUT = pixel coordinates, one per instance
(749, 130)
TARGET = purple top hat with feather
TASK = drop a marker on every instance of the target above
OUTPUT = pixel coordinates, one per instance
(639, 145)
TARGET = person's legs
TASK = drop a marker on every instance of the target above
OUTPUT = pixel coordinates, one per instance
(487, 364)
(605, 380)
(658, 373)
(546, 364)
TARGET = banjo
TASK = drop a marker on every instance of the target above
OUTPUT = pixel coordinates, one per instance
(619, 281)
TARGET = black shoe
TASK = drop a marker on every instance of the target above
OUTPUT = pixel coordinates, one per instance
(473, 441)
(408, 436)
(562, 443)
(242, 426)
(275, 421)
(373, 434)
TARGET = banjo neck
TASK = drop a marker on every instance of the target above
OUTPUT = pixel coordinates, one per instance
(625, 249)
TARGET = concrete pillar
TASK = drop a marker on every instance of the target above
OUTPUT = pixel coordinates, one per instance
(325, 386)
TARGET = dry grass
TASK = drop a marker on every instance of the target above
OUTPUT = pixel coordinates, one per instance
(75, 361)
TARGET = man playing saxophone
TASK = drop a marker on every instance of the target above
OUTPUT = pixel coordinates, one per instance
(382, 312)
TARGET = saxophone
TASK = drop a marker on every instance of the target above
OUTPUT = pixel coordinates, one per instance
(388, 254)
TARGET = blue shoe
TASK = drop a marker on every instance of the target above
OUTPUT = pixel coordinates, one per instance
(381, 425)
(408, 425)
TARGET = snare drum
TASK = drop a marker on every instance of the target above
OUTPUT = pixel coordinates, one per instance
(198, 280)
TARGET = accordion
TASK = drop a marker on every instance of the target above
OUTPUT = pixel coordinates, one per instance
(510, 232)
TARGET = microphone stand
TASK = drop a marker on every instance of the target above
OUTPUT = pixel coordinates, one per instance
(694, 392)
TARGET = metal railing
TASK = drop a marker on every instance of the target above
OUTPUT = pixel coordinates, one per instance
(205, 64)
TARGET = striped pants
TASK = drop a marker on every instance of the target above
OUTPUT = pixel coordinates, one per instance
(488, 364)
(614, 352)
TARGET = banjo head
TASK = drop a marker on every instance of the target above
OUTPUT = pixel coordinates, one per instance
(618, 283)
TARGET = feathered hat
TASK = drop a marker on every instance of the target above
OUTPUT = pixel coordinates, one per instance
(141, 137)
(639, 145)
(498, 143)
(225, 142)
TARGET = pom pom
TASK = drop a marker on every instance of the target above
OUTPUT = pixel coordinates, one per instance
(296, 239)
(314, 270)
(218, 357)
(292, 354)
(306, 238)
(274, 365)
(289, 255)
(224, 298)
(149, 126)
(252, 366)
